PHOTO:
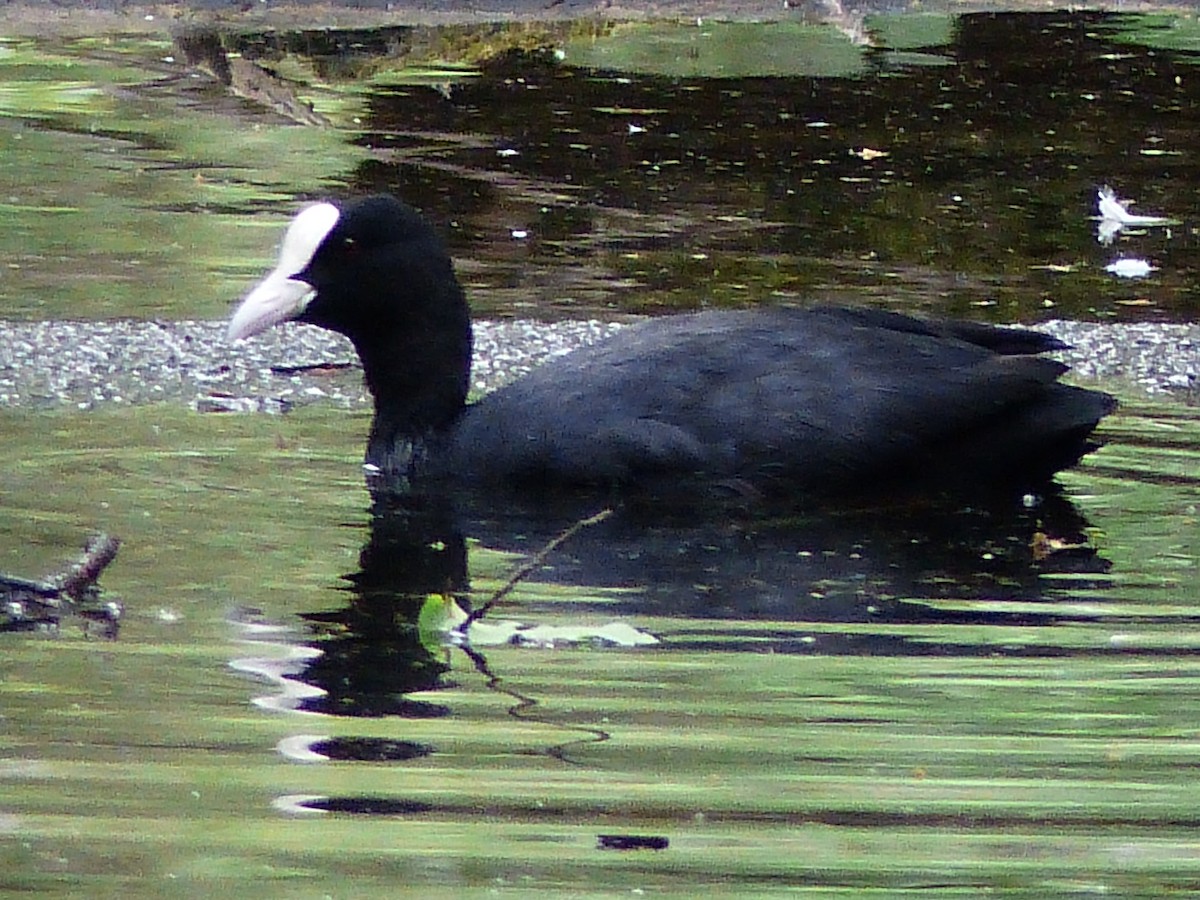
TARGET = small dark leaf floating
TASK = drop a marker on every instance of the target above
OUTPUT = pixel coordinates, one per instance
(632, 842)
(369, 806)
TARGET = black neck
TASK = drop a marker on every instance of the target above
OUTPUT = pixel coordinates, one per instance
(418, 371)
(383, 279)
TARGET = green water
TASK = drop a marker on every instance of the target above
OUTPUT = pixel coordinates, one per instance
(1033, 759)
(1008, 730)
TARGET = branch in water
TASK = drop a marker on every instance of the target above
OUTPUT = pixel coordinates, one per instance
(34, 604)
(79, 582)
(534, 562)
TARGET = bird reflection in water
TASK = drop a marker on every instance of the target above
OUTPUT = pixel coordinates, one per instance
(879, 566)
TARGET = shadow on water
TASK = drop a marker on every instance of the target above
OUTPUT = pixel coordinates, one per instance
(839, 567)
(773, 583)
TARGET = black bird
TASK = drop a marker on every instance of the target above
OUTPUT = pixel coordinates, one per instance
(790, 405)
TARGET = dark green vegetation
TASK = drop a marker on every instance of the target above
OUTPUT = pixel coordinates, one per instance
(925, 711)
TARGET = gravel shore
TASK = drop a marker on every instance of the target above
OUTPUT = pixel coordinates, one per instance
(90, 364)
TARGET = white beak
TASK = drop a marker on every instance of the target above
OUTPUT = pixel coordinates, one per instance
(281, 296)
(276, 299)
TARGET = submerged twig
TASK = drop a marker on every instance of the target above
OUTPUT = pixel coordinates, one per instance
(526, 705)
(528, 568)
(525, 709)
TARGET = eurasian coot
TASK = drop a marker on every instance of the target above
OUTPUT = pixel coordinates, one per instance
(781, 403)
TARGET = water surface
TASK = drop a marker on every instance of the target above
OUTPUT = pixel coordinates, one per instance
(944, 703)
